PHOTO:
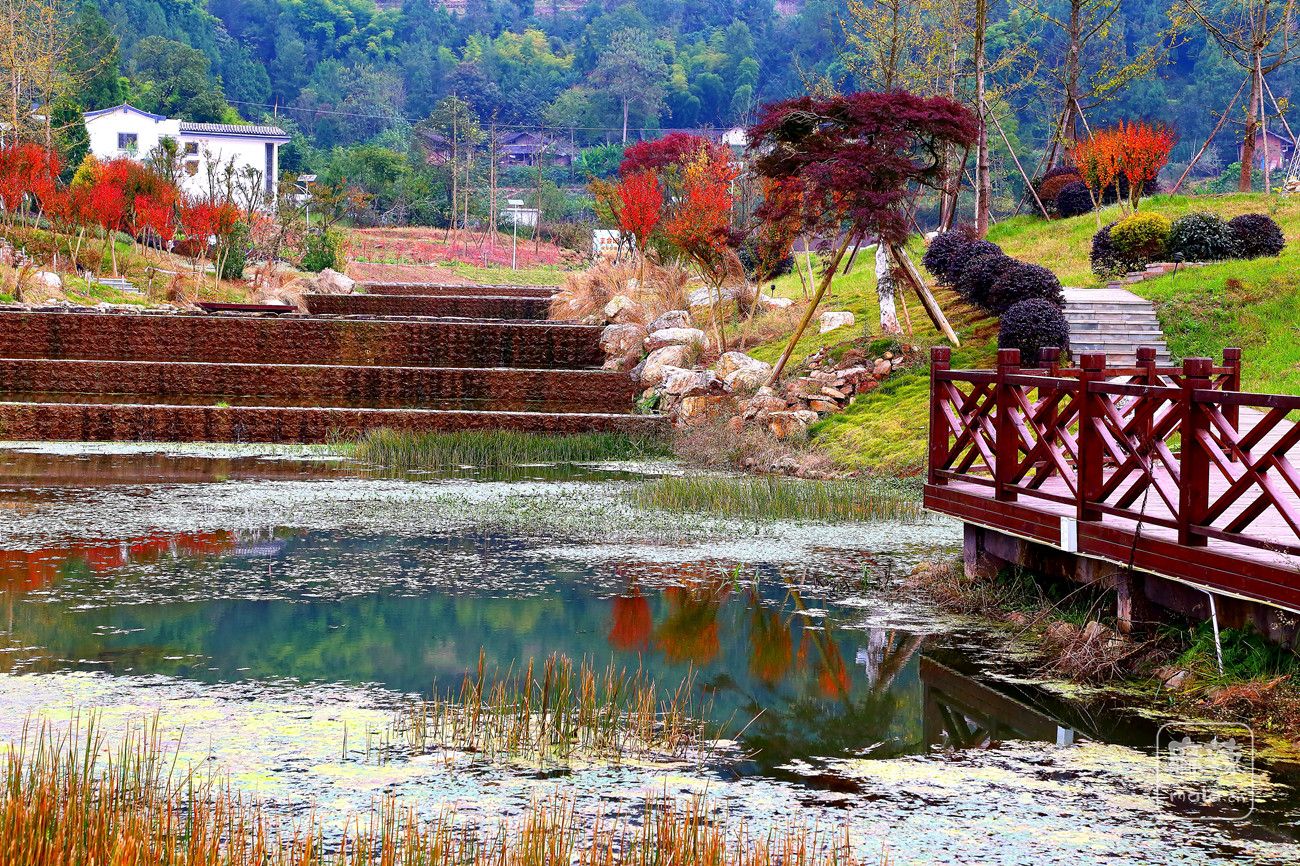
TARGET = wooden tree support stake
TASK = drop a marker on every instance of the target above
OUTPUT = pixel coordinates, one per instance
(923, 292)
(1213, 133)
(1029, 184)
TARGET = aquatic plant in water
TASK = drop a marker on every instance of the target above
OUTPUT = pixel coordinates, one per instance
(405, 450)
(554, 713)
(774, 498)
(71, 799)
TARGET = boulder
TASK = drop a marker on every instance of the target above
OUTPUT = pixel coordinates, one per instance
(621, 309)
(730, 362)
(761, 405)
(790, 424)
(671, 319)
(748, 379)
(622, 345)
(704, 407)
(47, 280)
(674, 337)
(819, 405)
(776, 303)
(680, 382)
(832, 319)
(650, 372)
(881, 368)
(331, 282)
(704, 297)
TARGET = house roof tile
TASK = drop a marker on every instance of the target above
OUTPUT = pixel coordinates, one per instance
(251, 129)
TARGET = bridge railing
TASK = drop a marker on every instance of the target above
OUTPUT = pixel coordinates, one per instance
(1162, 445)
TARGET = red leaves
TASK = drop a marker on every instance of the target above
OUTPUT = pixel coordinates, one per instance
(204, 220)
(641, 201)
(674, 149)
(27, 168)
(854, 158)
(700, 224)
(157, 215)
(1135, 151)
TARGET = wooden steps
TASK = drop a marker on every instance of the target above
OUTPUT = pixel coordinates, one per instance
(421, 361)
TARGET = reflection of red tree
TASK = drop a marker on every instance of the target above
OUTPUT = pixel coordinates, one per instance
(26, 570)
(632, 623)
(770, 643)
(690, 631)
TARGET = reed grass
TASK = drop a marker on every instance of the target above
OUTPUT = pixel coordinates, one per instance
(70, 800)
(404, 450)
(554, 712)
(778, 498)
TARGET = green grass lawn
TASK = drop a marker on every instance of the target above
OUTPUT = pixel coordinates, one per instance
(1251, 304)
(541, 275)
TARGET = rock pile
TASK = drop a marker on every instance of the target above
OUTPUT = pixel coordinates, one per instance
(665, 356)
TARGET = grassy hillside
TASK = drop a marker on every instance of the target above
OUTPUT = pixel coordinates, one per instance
(1251, 304)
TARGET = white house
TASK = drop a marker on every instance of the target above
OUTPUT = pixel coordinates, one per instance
(125, 130)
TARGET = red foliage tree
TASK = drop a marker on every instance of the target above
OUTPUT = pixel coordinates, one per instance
(673, 149)
(640, 207)
(855, 161)
(206, 224)
(1135, 151)
(700, 224)
(27, 168)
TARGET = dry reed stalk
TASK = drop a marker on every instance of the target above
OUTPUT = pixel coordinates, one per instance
(566, 713)
(68, 799)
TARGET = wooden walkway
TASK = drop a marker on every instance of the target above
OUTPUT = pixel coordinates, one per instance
(1168, 470)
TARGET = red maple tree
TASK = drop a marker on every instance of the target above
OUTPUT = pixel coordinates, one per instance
(1135, 151)
(640, 207)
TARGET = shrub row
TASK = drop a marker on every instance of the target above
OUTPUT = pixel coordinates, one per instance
(1028, 297)
(1138, 240)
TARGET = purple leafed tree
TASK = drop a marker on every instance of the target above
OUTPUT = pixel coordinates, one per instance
(858, 161)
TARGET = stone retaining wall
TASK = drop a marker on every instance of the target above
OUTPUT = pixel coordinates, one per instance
(320, 385)
(436, 289)
(298, 340)
(460, 306)
(121, 422)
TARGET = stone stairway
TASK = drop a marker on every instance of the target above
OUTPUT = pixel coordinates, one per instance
(423, 359)
(1113, 321)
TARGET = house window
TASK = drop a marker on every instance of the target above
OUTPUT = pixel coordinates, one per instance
(127, 141)
(269, 174)
(191, 148)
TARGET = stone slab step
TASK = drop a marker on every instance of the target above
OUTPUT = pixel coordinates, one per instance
(446, 306)
(437, 289)
(113, 336)
(177, 423)
(201, 383)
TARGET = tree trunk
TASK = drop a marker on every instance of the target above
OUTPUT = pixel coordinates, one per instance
(983, 183)
(1252, 122)
(886, 287)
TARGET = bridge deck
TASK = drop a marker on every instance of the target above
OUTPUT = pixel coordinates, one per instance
(1175, 474)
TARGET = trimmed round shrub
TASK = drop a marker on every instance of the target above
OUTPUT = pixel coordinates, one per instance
(1256, 235)
(1141, 238)
(1023, 281)
(1050, 188)
(1074, 200)
(980, 275)
(1201, 237)
(939, 254)
(1106, 258)
(1031, 325)
(1061, 169)
(959, 258)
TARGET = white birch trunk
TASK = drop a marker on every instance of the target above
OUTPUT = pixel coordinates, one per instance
(885, 289)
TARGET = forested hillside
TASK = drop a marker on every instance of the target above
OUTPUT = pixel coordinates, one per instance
(350, 78)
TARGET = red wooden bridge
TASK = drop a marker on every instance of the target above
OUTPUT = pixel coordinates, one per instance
(1172, 471)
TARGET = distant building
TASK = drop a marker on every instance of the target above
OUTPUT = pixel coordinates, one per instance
(1279, 151)
(125, 130)
(516, 148)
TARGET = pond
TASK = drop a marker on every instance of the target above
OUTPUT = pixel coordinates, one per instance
(274, 608)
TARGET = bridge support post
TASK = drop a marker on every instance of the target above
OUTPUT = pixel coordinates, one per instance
(1193, 462)
(940, 360)
(1091, 452)
(1007, 452)
(1232, 413)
